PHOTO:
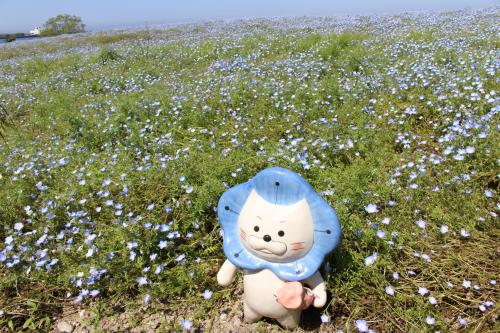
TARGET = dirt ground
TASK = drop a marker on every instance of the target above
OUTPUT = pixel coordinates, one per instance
(143, 320)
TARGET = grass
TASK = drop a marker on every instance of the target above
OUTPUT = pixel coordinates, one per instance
(119, 141)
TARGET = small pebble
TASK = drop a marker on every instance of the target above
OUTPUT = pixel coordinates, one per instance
(64, 327)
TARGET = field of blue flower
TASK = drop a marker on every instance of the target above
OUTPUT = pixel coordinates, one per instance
(115, 148)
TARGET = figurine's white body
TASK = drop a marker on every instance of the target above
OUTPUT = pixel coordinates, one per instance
(277, 233)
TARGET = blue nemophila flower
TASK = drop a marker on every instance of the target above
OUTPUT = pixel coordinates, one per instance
(162, 227)
(151, 206)
(395, 276)
(103, 194)
(462, 321)
(371, 208)
(142, 281)
(420, 223)
(325, 318)
(90, 238)
(470, 150)
(389, 290)
(464, 233)
(422, 291)
(132, 244)
(18, 226)
(430, 320)
(444, 229)
(90, 252)
(370, 260)
(432, 300)
(41, 240)
(106, 182)
(9, 240)
(186, 324)
(94, 293)
(162, 244)
(147, 299)
(361, 325)
(207, 294)
(173, 234)
(159, 269)
(28, 210)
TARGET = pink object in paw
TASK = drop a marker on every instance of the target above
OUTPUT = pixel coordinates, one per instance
(293, 295)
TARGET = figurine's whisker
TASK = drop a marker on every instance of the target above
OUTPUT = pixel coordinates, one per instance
(297, 267)
(237, 254)
(276, 192)
(327, 231)
(232, 211)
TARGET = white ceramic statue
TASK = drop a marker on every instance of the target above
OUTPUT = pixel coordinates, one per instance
(278, 230)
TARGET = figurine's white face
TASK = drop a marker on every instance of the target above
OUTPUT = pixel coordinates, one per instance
(277, 233)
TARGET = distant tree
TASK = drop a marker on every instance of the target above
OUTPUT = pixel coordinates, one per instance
(63, 24)
(10, 38)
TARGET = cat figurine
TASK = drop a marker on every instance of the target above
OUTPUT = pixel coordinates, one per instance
(278, 230)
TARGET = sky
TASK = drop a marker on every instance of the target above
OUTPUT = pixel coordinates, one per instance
(23, 15)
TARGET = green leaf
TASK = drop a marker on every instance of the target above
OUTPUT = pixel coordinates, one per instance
(28, 322)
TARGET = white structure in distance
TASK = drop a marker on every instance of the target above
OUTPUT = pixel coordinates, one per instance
(35, 32)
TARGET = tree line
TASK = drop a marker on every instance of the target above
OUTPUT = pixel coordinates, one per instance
(59, 25)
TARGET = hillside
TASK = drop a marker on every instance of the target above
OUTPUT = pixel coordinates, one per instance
(116, 147)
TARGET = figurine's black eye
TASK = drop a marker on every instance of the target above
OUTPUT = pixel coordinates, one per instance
(256, 228)
(281, 233)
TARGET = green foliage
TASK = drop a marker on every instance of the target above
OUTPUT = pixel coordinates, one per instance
(63, 24)
(108, 54)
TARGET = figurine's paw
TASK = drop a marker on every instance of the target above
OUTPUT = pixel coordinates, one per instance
(319, 299)
(226, 274)
(224, 279)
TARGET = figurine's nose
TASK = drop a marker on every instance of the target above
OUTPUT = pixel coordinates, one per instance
(267, 238)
